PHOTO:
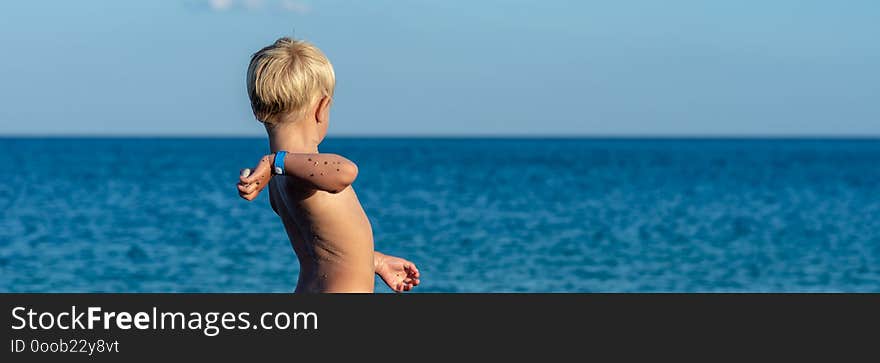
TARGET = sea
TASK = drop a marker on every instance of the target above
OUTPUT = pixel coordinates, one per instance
(475, 214)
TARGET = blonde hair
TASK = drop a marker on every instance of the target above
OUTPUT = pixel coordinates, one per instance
(287, 77)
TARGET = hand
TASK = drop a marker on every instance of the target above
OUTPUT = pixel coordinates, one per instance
(251, 183)
(399, 274)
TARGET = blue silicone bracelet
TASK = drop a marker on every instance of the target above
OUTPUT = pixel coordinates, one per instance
(279, 162)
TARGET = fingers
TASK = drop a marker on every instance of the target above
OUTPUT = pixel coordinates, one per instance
(414, 282)
(247, 189)
(250, 179)
(402, 287)
(405, 285)
(251, 182)
(411, 270)
(412, 277)
(263, 168)
(247, 196)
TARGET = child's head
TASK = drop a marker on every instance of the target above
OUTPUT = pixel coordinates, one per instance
(289, 80)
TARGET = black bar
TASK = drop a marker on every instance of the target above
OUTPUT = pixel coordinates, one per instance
(441, 325)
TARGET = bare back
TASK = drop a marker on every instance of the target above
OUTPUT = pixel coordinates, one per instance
(330, 234)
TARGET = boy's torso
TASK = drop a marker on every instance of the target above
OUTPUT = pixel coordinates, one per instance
(331, 235)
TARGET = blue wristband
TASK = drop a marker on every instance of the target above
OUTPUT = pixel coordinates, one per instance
(279, 162)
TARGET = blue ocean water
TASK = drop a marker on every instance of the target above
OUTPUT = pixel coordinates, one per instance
(477, 215)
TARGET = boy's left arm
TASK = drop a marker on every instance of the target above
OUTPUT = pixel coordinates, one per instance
(327, 172)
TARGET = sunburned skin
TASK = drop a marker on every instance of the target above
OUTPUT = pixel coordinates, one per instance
(326, 225)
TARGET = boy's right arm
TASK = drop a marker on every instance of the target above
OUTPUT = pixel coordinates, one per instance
(399, 274)
(328, 172)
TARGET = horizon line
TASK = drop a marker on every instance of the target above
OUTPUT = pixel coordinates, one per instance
(449, 136)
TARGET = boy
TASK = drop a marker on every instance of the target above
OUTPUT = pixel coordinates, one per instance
(290, 84)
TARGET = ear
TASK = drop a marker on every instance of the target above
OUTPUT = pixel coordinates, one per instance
(322, 111)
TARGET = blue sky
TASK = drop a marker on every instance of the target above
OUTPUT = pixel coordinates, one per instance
(516, 67)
